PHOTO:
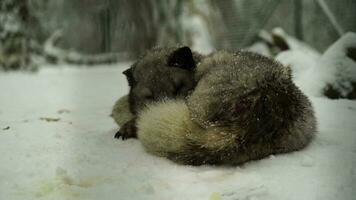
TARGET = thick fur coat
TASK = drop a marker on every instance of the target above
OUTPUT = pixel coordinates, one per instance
(244, 107)
(160, 73)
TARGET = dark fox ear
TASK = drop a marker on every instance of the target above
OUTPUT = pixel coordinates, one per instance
(182, 58)
(129, 76)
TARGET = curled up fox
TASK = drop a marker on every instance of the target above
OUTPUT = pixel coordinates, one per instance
(223, 108)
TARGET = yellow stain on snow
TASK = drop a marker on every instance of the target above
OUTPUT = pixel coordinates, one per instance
(63, 185)
(52, 187)
(215, 196)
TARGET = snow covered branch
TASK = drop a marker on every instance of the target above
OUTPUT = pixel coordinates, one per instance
(54, 53)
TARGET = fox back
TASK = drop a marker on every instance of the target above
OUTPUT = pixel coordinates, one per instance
(244, 107)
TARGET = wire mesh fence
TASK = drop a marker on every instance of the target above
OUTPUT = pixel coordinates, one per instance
(132, 26)
(317, 22)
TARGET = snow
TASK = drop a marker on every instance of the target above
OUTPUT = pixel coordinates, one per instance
(312, 71)
(294, 43)
(196, 27)
(342, 68)
(199, 33)
(304, 69)
(261, 48)
(56, 142)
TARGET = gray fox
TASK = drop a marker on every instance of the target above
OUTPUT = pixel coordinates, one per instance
(244, 107)
(160, 73)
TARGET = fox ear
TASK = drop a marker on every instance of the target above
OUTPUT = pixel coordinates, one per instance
(129, 76)
(182, 58)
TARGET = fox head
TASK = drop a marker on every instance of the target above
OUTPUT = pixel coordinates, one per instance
(161, 73)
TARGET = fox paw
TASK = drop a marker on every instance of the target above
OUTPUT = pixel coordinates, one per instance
(128, 130)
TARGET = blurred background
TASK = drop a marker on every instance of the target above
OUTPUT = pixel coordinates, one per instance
(104, 31)
(61, 64)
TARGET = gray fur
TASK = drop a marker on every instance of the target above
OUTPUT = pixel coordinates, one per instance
(161, 73)
(244, 107)
(154, 78)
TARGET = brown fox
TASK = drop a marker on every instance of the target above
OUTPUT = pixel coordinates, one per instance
(244, 107)
(160, 73)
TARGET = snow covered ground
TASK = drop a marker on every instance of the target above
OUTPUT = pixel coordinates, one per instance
(56, 142)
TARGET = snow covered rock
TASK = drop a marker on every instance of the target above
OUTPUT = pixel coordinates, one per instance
(332, 74)
(339, 63)
(278, 41)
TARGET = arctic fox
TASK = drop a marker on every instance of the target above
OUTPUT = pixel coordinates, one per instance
(244, 107)
(159, 74)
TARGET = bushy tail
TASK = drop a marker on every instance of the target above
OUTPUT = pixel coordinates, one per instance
(166, 129)
(121, 112)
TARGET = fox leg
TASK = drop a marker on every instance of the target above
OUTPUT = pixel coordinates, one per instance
(128, 130)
